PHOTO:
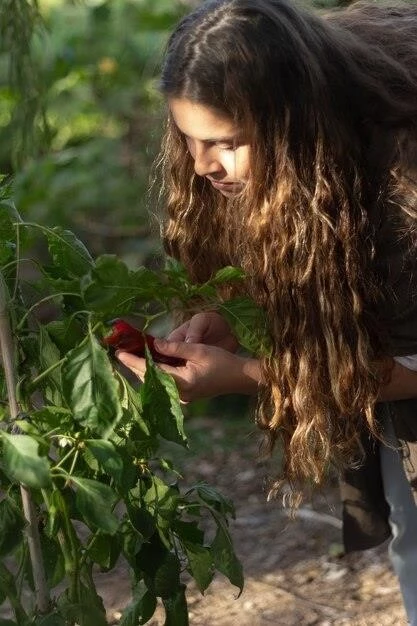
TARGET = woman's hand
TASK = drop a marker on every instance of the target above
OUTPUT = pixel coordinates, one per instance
(209, 371)
(209, 328)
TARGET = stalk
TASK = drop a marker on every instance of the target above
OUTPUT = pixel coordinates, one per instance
(32, 532)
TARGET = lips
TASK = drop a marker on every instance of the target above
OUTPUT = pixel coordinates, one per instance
(231, 187)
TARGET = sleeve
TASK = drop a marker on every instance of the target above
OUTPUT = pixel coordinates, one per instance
(410, 361)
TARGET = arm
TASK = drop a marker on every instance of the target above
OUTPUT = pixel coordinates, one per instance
(401, 384)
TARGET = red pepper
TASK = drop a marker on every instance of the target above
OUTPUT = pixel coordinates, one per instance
(129, 339)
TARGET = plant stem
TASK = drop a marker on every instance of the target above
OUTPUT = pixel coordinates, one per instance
(32, 532)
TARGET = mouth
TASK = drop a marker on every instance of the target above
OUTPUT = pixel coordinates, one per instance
(228, 187)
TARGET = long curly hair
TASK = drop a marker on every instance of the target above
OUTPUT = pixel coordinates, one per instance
(330, 104)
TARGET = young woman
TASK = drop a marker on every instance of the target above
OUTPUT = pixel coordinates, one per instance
(290, 151)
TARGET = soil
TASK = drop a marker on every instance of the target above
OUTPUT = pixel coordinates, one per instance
(295, 571)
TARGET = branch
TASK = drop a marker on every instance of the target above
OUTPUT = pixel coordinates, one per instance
(32, 532)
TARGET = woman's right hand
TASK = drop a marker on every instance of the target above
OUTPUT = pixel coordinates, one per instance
(207, 327)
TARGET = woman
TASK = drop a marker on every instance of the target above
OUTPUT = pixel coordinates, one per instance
(290, 151)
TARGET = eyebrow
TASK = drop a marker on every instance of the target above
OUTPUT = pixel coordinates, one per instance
(225, 139)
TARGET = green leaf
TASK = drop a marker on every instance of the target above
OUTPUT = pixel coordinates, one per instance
(12, 524)
(227, 274)
(51, 417)
(53, 619)
(142, 607)
(88, 610)
(167, 577)
(107, 456)
(22, 463)
(70, 257)
(176, 610)
(161, 501)
(215, 499)
(161, 404)
(249, 324)
(189, 532)
(8, 622)
(224, 557)
(65, 333)
(200, 564)
(53, 560)
(7, 234)
(142, 521)
(112, 289)
(105, 550)
(49, 355)
(90, 389)
(95, 500)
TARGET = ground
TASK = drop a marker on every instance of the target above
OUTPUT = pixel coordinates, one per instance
(295, 573)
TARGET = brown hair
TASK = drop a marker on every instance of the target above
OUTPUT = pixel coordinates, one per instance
(331, 104)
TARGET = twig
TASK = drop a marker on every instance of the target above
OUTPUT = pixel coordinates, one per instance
(32, 532)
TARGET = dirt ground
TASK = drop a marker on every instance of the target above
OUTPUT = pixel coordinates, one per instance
(295, 574)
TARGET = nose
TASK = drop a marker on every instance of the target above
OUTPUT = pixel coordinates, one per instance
(205, 161)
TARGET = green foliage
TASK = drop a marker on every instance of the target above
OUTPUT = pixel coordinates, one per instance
(89, 445)
(78, 93)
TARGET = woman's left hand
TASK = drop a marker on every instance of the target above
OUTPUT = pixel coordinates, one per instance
(208, 371)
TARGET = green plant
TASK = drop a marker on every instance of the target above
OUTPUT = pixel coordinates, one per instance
(81, 471)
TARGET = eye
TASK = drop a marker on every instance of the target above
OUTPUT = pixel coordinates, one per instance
(227, 146)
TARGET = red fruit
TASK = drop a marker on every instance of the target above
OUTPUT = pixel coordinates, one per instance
(129, 339)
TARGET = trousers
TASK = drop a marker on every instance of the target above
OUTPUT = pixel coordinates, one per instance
(402, 519)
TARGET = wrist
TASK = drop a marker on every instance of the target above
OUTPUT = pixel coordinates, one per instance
(249, 376)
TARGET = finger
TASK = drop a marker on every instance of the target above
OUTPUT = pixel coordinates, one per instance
(180, 349)
(134, 363)
(197, 328)
(180, 333)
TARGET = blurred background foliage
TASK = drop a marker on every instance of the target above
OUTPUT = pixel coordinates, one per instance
(80, 114)
(80, 117)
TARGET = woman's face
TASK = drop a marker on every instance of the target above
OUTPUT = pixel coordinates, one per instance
(220, 150)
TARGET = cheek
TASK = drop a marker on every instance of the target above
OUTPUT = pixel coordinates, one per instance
(237, 164)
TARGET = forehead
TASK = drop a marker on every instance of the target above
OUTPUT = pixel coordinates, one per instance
(201, 122)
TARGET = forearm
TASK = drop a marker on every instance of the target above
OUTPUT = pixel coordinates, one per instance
(247, 377)
(401, 384)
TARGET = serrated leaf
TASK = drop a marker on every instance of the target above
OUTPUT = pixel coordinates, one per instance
(94, 500)
(107, 456)
(142, 607)
(112, 289)
(161, 406)
(248, 323)
(70, 256)
(90, 389)
(22, 463)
